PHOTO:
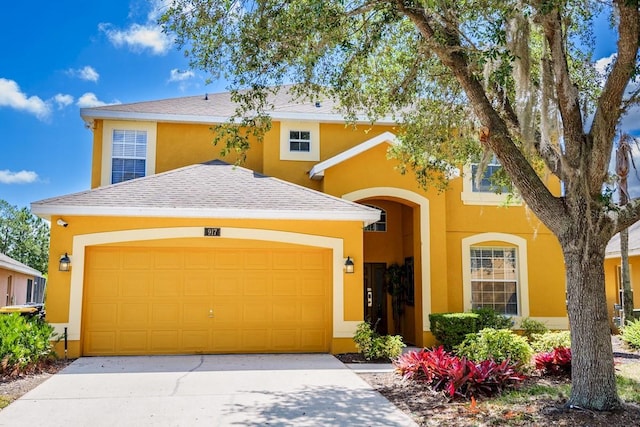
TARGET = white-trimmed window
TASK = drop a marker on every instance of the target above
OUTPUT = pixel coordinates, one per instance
(381, 224)
(494, 279)
(299, 140)
(128, 154)
(128, 150)
(485, 184)
(491, 264)
(483, 192)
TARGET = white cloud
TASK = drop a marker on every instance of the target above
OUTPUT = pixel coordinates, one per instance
(180, 76)
(138, 37)
(63, 100)
(88, 73)
(602, 64)
(11, 96)
(22, 177)
(89, 100)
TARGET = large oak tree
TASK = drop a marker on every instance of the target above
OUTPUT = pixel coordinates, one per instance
(514, 78)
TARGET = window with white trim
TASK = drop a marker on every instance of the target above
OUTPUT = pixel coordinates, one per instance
(128, 154)
(381, 224)
(494, 279)
(485, 184)
(299, 140)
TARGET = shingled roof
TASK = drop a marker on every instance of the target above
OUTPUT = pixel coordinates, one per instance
(613, 247)
(208, 190)
(217, 108)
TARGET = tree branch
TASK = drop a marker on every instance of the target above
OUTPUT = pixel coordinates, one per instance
(567, 93)
(609, 109)
(446, 46)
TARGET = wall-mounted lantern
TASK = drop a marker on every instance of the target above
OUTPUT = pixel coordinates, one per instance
(348, 266)
(65, 262)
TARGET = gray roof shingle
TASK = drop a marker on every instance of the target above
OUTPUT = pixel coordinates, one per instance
(216, 108)
(613, 247)
(208, 190)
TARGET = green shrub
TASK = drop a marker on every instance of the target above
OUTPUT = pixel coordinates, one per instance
(496, 344)
(489, 318)
(375, 346)
(631, 333)
(450, 329)
(23, 342)
(531, 326)
(547, 341)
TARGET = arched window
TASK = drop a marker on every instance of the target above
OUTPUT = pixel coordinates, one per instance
(381, 224)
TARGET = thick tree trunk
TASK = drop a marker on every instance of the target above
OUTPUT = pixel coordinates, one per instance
(592, 370)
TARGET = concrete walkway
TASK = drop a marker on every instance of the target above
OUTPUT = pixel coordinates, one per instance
(211, 390)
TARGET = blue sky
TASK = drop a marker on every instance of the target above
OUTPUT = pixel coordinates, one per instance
(60, 56)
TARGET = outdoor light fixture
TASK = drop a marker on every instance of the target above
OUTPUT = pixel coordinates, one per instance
(348, 265)
(65, 263)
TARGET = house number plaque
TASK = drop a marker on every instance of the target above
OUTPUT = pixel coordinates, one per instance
(211, 231)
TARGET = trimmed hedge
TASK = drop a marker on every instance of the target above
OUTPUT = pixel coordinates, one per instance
(450, 329)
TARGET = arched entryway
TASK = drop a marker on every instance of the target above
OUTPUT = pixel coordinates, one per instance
(396, 289)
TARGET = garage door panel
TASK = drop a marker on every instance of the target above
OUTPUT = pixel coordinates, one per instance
(133, 314)
(101, 342)
(195, 340)
(106, 284)
(136, 259)
(166, 341)
(257, 284)
(284, 339)
(107, 259)
(229, 260)
(312, 261)
(168, 259)
(135, 284)
(167, 284)
(132, 342)
(206, 300)
(199, 259)
(102, 314)
(165, 312)
(198, 283)
(312, 285)
(284, 285)
(312, 339)
(286, 260)
(227, 284)
(226, 341)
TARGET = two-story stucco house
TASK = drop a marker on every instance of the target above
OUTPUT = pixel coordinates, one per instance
(175, 251)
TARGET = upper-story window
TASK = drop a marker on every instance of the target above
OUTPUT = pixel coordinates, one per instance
(381, 224)
(487, 190)
(128, 154)
(486, 184)
(299, 140)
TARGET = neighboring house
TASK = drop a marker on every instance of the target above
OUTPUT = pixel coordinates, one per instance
(175, 252)
(613, 271)
(19, 283)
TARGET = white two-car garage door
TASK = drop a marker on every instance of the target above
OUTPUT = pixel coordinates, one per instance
(158, 300)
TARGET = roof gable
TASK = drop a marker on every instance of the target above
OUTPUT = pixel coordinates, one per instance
(317, 172)
(208, 190)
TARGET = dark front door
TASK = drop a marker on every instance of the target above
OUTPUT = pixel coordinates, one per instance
(375, 299)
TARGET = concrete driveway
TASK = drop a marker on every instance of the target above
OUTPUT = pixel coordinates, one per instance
(211, 390)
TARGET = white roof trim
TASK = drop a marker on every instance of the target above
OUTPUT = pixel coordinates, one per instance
(317, 172)
(48, 210)
(19, 268)
(90, 114)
